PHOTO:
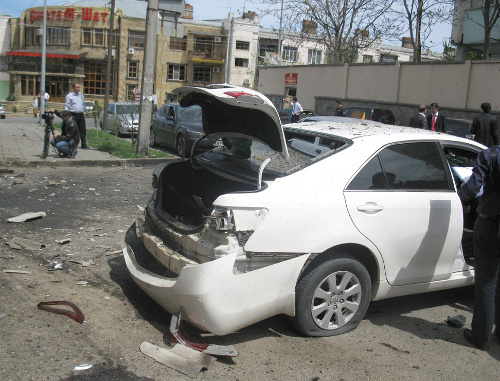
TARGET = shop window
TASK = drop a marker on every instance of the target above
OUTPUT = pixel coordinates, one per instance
(314, 57)
(136, 39)
(204, 45)
(31, 37)
(86, 36)
(177, 43)
(133, 69)
(130, 93)
(242, 45)
(202, 74)
(58, 36)
(95, 78)
(99, 37)
(290, 54)
(30, 85)
(176, 72)
(241, 62)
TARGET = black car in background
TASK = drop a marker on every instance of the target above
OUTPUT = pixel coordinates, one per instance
(369, 113)
(286, 115)
(459, 127)
(177, 127)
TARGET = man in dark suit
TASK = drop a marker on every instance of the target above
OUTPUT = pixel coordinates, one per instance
(484, 127)
(419, 120)
(436, 121)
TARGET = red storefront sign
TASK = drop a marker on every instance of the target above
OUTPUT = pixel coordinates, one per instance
(86, 14)
(290, 78)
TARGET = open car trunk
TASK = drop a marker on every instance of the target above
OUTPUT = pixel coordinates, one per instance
(185, 195)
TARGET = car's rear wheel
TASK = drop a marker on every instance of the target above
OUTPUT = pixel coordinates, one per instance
(152, 141)
(180, 145)
(332, 298)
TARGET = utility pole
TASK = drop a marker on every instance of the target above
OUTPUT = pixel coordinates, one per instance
(148, 77)
(44, 62)
(281, 27)
(230, 49)
(108, 67)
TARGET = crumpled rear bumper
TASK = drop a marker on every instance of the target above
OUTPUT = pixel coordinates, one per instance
(210, 295)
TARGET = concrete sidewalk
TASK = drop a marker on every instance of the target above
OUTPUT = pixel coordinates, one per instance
(21, 143)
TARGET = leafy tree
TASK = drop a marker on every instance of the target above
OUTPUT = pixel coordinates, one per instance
(417, 17)
(344, 25)
(491, 13)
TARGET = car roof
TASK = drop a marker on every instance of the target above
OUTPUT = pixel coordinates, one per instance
(340, 119)
(384, 132)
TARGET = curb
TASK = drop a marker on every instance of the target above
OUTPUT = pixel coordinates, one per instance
(84, 163)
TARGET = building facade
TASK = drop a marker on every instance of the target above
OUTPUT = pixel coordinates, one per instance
(77, 36)
(189, 52)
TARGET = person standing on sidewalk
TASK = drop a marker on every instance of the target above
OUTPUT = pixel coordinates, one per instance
(35, 107)
(419, 120)
(296, 110)
(486, 310)
(484, 127)
(436, 121)
(75, 104)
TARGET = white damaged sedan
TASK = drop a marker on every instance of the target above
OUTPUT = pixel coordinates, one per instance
(313, 220)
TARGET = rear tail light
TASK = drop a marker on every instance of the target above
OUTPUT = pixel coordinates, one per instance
(243, 97)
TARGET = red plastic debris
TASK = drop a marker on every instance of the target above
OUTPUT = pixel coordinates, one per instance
(77, 314)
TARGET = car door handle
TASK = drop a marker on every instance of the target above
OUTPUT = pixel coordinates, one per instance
(370, 208)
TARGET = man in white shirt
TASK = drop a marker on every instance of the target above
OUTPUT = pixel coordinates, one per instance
(76, 105)
(296, 110)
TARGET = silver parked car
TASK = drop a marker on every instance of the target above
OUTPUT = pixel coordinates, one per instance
(123, 118)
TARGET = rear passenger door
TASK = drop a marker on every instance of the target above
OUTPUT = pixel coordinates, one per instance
(404, 201)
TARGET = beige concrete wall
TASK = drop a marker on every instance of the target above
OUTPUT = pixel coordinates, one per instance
(459, 86)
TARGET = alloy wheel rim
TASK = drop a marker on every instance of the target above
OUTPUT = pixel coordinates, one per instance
(336, 300)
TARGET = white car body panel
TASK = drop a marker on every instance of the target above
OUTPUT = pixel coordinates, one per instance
(212, 289)
(419, 234)
(227, 283)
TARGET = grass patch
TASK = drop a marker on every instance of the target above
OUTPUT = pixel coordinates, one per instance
(117, 147)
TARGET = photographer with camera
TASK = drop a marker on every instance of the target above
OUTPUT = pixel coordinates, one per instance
(66, 143)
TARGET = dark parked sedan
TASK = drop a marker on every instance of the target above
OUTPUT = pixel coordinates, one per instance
(377, 114)
(459, 127)
(179, 128)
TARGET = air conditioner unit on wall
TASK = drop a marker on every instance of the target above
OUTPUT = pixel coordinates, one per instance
(216, 69)
(39, 32)
(246, 81)
(131, 50)
(217, 39)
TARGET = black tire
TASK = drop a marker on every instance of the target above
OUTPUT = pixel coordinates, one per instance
(321, 310)
(179, 146)
(152, 141)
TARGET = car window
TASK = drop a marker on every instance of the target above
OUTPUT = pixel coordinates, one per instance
(415, 166)
(127, 109)
(371, 176)
(192, 114)
(162, 111)
(460, 157)
(408, 166)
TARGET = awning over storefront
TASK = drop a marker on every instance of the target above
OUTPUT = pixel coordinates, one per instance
(33, 53)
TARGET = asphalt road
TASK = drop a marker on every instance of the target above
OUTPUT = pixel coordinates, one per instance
(400, 339)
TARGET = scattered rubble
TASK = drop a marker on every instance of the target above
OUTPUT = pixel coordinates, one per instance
(25, 217)
(183, 359)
